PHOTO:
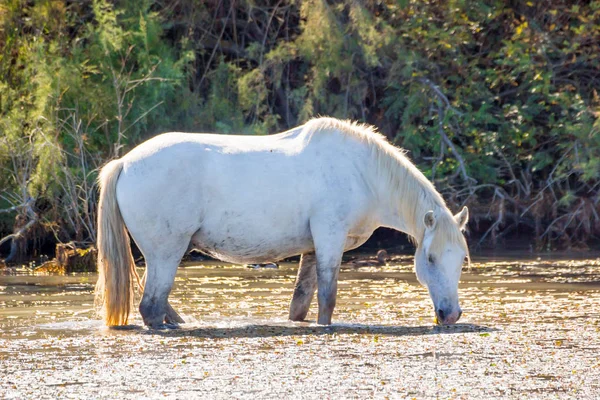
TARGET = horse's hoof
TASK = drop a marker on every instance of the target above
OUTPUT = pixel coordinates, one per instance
(162, 327)
(296, 319)
(263, 266)
(172, 317)
(324, 321)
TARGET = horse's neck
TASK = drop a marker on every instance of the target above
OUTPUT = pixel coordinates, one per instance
(404, 198)
(393, 216)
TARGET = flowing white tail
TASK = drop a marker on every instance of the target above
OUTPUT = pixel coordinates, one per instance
(116, 268)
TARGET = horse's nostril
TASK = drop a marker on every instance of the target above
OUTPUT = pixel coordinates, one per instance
(440, 314)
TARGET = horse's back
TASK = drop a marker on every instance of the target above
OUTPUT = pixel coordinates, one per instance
(273, 165)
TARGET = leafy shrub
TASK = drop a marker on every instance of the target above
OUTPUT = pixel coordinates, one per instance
(497, 102)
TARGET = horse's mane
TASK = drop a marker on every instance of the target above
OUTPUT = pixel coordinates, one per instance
(404, 181)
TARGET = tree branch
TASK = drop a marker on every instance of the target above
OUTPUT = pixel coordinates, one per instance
(21, 232)
(456, 154)
(13, 208)
(440, 95)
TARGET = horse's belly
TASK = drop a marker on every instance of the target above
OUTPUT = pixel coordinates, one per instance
(252, 248)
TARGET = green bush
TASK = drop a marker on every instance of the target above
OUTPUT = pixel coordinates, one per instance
(496, 102)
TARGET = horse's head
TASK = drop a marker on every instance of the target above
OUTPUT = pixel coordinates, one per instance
(439, 259)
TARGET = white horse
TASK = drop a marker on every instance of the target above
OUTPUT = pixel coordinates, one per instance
(317, 190)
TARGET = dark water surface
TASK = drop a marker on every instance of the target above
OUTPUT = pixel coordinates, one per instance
(530, 328)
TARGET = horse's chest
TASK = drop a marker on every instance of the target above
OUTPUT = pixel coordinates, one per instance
(356, 239)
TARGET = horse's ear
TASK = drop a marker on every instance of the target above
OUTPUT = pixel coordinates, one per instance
(429, 220)
(462, 218)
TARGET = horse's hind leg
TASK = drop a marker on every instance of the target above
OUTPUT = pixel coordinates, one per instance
(172, 316)
(304, 290)
(160, 275)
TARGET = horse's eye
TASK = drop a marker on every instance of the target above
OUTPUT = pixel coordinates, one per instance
(431, 259)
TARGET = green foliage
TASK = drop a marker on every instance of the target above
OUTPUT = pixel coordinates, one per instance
(496, 102)
(84, 71)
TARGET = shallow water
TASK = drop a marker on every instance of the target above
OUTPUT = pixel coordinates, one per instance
(530, 328)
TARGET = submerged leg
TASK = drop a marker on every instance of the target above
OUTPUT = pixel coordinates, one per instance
(329, 241)
(304, 290)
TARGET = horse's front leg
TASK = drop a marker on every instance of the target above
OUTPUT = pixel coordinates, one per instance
(304, 290)
(329, 240)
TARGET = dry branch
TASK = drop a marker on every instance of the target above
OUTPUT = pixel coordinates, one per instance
(33, 218)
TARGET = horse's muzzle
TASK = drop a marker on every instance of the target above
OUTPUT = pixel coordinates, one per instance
(446, 316)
